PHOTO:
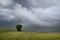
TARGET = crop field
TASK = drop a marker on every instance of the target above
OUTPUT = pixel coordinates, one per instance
(15, 35)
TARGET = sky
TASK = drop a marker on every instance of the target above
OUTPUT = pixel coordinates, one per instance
(35, 15)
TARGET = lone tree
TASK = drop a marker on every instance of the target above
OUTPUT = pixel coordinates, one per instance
(19, 27)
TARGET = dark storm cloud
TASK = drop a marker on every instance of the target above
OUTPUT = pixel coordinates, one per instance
(35, 3)
(43, 15)
(24, 3)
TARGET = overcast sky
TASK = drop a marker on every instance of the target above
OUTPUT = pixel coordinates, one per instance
(35, 15)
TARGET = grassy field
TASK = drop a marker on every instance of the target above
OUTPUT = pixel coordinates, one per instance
(14, 35)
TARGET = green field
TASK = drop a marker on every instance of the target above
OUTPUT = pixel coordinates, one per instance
(14, 35)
